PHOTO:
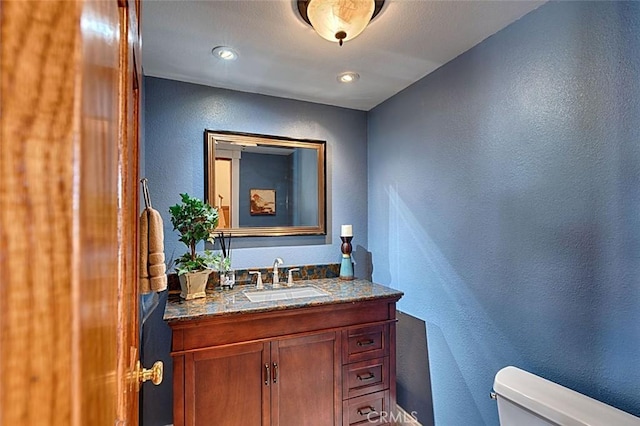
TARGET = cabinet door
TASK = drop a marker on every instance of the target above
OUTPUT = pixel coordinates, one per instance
(306, 377)
(228, 386)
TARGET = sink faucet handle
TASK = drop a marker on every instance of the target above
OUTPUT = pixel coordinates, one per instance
(259, 285)
(291, 271)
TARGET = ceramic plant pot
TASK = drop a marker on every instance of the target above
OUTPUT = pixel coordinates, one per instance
(193, 284)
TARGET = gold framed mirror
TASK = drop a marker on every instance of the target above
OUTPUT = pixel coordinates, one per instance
(266, 185)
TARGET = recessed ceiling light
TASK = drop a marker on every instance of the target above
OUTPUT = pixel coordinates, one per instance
(225, 52)
(348, 77)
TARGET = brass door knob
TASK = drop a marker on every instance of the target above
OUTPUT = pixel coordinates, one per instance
(154, 373)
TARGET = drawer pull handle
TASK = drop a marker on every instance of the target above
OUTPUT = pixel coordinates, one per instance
(367, 342)
(366, 410)
(266, 374)
(368, 376)
(275, 372)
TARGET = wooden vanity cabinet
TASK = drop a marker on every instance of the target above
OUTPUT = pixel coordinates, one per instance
(223, 385)
(304, 381)
(244, 384)
(312, 366)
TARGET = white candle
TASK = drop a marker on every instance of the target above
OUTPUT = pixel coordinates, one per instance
(347, 231)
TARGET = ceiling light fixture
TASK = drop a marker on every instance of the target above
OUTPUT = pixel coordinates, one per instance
(339, 20)
(224, 52)
(348, 77)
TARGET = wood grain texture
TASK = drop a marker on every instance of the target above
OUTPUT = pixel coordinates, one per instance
(66, 209)
(38, 48)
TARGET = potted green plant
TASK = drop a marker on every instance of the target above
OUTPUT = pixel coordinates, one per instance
(195, 220)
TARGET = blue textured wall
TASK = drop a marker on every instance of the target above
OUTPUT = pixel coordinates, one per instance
(265, 171)
(176, 115)
(504, 200)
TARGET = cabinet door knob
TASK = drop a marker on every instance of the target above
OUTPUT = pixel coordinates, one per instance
(266, 374)
(275, 372)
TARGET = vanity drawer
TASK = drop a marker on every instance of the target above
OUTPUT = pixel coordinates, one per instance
(371, 409)
(365, 377)
(365, 343)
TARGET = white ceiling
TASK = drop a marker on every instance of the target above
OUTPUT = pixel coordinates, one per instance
(281, 55)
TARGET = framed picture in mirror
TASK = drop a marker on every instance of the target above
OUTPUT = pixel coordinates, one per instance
(262, 202)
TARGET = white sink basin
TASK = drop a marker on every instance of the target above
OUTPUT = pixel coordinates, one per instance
(284, 294)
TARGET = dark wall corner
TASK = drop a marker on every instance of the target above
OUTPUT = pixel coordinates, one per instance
(363, 263)
(413, 378)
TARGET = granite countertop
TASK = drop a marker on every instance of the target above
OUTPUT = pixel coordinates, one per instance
(233, 302)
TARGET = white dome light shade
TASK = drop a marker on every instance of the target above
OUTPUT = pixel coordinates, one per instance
(340, 20)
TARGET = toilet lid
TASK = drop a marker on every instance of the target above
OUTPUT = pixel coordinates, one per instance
(557, 403)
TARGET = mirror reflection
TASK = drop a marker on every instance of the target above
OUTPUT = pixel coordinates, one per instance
(266, 185)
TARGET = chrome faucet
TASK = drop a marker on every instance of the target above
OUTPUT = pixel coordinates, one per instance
(276, 278)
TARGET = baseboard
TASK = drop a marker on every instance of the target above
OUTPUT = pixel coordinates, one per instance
(406, 419)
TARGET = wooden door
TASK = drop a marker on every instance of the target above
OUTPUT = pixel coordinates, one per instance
(128, 334)
(227, 386)
(306, 389)
(68, 201)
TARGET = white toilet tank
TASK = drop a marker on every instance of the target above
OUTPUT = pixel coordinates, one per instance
(525, 399)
